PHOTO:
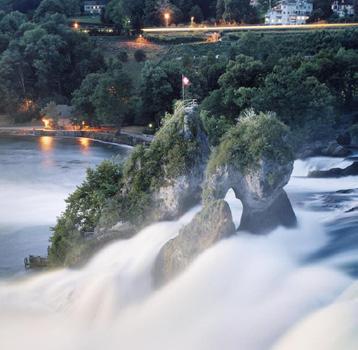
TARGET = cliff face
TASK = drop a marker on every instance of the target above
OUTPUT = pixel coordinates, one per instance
(164, 180)
(254, 160)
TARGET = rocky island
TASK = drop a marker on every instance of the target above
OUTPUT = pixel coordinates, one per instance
(177, 171)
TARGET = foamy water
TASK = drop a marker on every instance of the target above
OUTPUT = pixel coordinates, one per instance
(247, 292)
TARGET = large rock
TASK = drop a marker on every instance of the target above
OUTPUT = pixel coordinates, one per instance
(211, 225)
(177, 194)
(351, 170)
(256, 161)
(164, 180)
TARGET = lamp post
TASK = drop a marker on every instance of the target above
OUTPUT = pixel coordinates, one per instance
(167, 18)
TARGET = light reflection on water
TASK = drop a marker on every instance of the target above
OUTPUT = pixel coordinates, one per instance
(46, 143)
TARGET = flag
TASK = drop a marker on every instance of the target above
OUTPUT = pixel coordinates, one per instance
(185, 80)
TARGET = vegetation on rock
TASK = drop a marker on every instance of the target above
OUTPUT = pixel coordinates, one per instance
(84, 208)
(255, 137)
(129, 194)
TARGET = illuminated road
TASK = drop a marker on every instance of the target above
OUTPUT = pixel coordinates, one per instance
(252, 27)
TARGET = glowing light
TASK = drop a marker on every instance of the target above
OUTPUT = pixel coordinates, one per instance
(76, 25)
(186, 81)
(47, 123)
(253, 27)
(167, 18)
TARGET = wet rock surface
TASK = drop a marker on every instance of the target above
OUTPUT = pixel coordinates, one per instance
(208, 227)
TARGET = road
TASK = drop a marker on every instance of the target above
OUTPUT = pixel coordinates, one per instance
(251, 27)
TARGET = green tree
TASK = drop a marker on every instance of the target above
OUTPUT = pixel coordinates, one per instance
(112, 97)
(294, 96)
(48, 7)
(156, 91)
(46, 61)
(197, 14)
(237, 87)
(11, 23)
(83, 102)
(83, 210)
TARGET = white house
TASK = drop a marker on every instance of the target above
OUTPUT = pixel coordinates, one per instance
(94, 7)
(343, 8)
(289, 12)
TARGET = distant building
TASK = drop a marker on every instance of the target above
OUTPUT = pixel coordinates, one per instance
(289, 12)
(343, 8)
(94, 7)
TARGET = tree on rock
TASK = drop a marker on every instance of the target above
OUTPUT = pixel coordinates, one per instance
(256, 161)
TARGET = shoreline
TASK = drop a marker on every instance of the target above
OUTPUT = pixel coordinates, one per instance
(123, 139)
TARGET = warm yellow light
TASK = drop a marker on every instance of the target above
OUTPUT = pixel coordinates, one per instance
(47, 123)
(167, 15)
(85, 143)
(76, 25)
(46, 143)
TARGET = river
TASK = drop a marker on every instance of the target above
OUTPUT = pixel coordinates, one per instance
(36, 175)
(291, 289)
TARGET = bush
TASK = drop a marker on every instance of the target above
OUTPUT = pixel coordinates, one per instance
(84, 208)
(215, 127)
(255, 136)
(140, 56)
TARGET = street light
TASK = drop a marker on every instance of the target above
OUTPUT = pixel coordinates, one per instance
(192, 20)
(76, 25)
(167, 18)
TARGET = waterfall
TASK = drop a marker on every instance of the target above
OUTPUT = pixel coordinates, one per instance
(246, 292)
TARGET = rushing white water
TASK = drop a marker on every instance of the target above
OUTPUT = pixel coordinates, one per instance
(303, 167)
(246, 292)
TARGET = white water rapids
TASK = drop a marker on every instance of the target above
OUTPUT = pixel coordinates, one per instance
(248, 292)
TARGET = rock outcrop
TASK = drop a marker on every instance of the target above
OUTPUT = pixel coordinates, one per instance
(256, 161)
(211, 225)
(163, 181)
(351, 170)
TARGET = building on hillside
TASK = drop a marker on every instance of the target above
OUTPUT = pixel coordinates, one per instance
(289, 12)
(94, 7)
(343, 8)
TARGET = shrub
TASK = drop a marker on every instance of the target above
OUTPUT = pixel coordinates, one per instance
(255, 136)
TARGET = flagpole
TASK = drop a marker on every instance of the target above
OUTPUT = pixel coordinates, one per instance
(183, 87)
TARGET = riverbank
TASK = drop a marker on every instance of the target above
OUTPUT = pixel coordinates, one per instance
(124, 138)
